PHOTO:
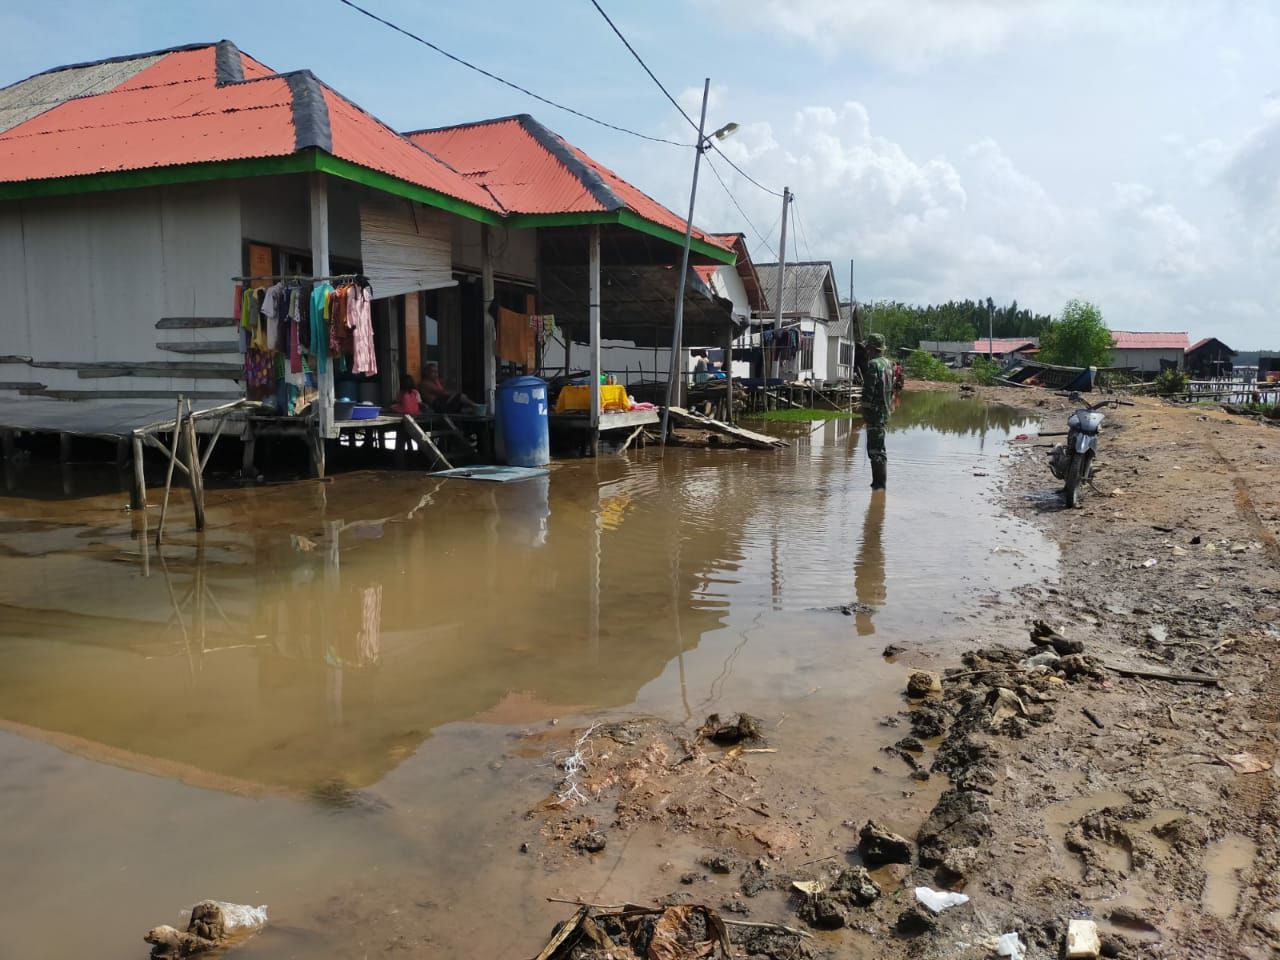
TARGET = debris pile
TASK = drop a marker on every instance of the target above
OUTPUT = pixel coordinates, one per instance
(682, 932)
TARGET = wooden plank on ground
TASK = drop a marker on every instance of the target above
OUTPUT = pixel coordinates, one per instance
(749, 437)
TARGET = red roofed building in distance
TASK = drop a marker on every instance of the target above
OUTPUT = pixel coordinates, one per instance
(1148, 351)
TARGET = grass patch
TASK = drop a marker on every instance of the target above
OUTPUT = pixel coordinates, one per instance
(793, 415)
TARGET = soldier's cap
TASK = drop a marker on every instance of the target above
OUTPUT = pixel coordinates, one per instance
(876, 340)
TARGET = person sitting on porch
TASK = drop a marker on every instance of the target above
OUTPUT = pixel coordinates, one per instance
(439, 397)
(409, 400)
(700, 374)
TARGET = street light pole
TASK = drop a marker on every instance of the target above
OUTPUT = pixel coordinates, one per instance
(677, 336)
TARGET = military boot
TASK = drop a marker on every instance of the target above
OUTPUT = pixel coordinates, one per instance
(879, 473)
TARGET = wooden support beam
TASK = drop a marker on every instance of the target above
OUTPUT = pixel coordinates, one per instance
(13, 358)
(199, 346)
(593, 316)
(134, 394)
(248, 470)
(64, 448)
(185, 369)
(151, 441)
(6, 444)
(422, 437)
(168, 480)
(195, 476)
(315, 449)
(194, 323)
(213, 442)
(21, 385)
(138, 501)
(490, 329)
(319, 209)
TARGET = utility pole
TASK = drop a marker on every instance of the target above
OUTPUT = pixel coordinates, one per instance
(782, 275)
(991, 340)
(675, 375)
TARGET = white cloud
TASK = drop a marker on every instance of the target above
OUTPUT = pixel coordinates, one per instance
(913, 35)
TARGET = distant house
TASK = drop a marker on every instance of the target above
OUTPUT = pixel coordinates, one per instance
(1209, 358)
(842, 344)
(963, 351)
(1148, 351)
(810, 319)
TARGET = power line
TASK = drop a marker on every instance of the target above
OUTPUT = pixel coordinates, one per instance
(795, 218)
(734, 199)
(626, 43)
(667, 93)
(773, 226)
(505, 82)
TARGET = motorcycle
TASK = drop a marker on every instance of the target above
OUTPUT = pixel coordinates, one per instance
(1072, 462)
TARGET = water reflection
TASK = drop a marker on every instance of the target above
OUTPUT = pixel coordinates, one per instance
(322, 632)
(868, 575)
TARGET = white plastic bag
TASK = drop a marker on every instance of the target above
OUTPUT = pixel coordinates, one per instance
(237, 918)
(1010, 946)
(937, 901)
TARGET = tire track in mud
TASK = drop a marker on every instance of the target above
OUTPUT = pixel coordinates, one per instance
(1256, 796)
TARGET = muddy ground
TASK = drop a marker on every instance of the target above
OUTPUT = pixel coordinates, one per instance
(1061, 788)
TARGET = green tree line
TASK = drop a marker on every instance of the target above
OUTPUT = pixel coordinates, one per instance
(1078, 337)
(906, 324)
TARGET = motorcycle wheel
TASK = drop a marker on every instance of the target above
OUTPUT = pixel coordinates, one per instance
(1077, 473)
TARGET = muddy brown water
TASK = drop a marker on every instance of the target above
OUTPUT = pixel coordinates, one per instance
(340, 703)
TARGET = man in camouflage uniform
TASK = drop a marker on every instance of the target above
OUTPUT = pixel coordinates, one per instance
(877, 398)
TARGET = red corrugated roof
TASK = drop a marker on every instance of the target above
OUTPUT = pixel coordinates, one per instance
(502, 154)
(1148, 340)
(175, 112)
(170, 113)
(531, 169)
(366, 141)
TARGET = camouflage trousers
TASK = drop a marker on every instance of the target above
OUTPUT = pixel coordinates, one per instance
(875, 432)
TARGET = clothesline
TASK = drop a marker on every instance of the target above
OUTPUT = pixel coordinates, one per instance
(300, 277)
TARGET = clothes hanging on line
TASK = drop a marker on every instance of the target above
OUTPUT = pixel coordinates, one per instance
(292, 330)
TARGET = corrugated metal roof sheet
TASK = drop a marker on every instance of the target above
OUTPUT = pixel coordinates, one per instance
(802, 283)
(1148, 340)
(522, 174)
(531, 169)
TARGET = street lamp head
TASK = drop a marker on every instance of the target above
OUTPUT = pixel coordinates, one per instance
(726, 131)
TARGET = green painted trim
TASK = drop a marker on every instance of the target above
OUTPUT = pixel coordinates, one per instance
(530, 221)
(376, 180)
(157, 176)
(712, 252)
(310, 160)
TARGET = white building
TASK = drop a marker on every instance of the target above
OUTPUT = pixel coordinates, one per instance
(810, 308)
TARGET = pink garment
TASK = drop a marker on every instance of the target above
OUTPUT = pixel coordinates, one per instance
(360, 320)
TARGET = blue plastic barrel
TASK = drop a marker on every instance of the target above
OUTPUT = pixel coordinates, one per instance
(524, 437)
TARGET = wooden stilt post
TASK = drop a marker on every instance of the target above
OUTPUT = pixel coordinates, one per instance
(64, 448)
(6, 443)
(490, 328)
(728, 372)
(168, 480)
(593, 313)
(195, 476)
(248, 471)
(139, 499)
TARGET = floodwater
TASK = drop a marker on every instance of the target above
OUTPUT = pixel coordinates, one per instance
(326, 704)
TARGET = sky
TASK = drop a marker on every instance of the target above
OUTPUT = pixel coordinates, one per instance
(1038, 150)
